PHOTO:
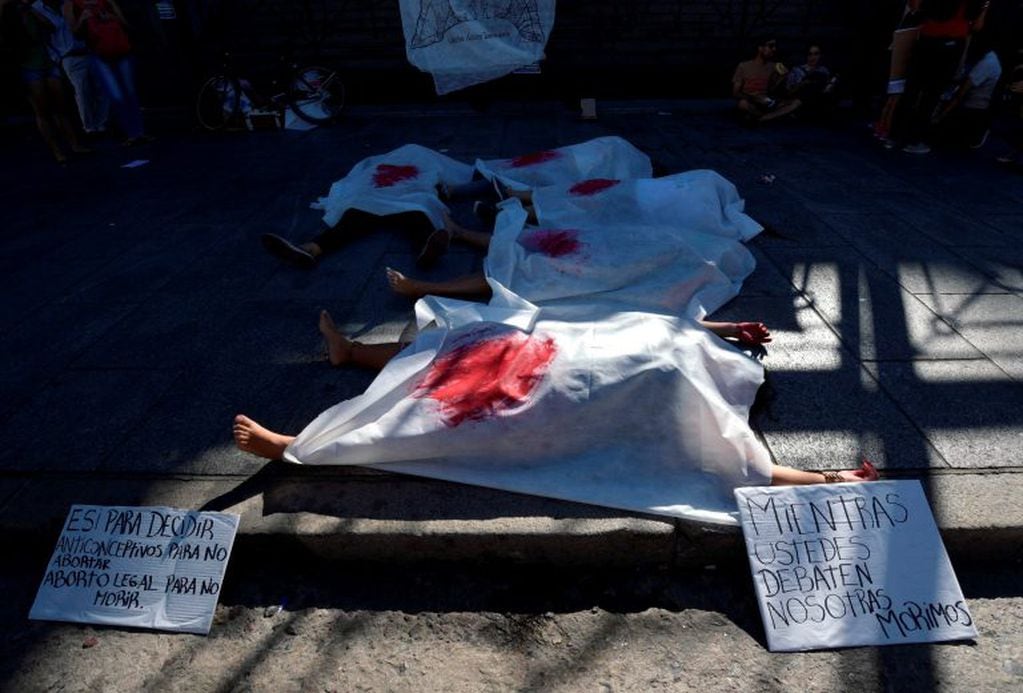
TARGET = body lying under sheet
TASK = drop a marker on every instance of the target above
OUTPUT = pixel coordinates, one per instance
(603, 157)
(671, 245)
(625, 409)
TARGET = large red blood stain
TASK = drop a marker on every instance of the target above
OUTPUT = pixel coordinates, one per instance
(593, 186)
(534, 158)
(388, 174)
(552, 242)
(476, 381)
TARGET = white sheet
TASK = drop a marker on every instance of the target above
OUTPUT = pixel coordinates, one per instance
(603, 157)
(629, 410)
(671, 245)
(403, 180)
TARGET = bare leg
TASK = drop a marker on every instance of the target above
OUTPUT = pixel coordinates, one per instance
(61, 115)
(467, 285)
(343, 351)
(249, 436)
(788, 476)
(752, 333)
(37, 97)
(782, 110)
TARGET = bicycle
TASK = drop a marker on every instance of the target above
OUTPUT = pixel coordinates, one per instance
(314, 93)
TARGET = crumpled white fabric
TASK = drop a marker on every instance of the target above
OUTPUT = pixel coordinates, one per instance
(466, 42)
(632, 410)
(403, 180)
(671, 245)
(602, 157)
(700, 201)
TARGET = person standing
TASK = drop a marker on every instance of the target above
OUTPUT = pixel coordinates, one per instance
(945, 26)
(71, 55)
(28, 33)
(106, 36)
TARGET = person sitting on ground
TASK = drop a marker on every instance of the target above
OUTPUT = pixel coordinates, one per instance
(965, 119)
(812, 82)
(754, 81)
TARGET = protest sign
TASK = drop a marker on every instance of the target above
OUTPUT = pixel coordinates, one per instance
(144, 567)
(466, 42)
(838, 565)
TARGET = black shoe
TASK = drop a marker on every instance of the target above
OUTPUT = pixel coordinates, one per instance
(286, 251)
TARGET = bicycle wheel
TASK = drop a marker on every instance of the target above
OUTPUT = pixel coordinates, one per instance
(217, 102)
(316, 94)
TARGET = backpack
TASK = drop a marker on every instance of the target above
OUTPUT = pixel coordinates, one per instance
(104, 34)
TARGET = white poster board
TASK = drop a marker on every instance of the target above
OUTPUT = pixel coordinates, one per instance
(839, 565)
(143, 567)
(466, 42)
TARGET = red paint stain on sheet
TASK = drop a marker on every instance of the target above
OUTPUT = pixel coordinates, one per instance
(388, 174)
(534, 158)
(478, 380)
(552, 242)
(593, 186)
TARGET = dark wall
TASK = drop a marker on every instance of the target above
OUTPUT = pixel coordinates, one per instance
(651, 48)
(603, 48)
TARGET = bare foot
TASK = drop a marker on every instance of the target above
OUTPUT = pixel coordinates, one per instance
(402, 285)
(339, 348)
(249, 436)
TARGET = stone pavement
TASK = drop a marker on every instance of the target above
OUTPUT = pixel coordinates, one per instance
(139, 314)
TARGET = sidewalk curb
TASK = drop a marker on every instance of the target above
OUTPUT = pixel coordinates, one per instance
(352, 514)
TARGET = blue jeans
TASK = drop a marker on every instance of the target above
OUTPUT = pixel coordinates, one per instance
(118, 81)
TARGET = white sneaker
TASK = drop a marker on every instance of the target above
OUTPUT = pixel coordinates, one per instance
(918, 148)
(982, 141)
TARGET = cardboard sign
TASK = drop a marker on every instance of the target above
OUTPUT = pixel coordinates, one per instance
(144, 567)
(838, 565)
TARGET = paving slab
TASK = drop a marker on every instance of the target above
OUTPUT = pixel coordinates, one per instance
(182, 321)
(941, 222)
(922, 267)
(1004, 264)
(968, 410)
(58, 428)
(876, 318)
(991, 323)
(822, 409)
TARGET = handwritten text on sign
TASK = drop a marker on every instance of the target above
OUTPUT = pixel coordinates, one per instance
(850, 564)
(145, 567)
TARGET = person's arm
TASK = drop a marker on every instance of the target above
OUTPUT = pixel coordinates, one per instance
(737, 81)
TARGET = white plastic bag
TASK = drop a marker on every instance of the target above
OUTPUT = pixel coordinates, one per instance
(466, 42)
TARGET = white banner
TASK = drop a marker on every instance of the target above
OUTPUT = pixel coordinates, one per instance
(143, 567)
(466, 42)
(839, 565)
